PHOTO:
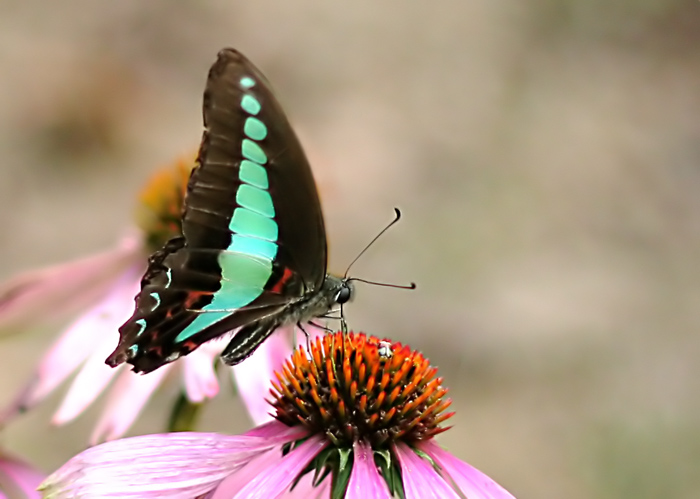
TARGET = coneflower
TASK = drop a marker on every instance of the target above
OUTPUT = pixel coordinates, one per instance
(355, 418)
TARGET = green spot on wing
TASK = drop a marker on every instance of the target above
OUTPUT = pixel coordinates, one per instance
(249, 223)
(142, 326)
(253, 246)
(255, 199)
(156, 298)
(250, 104)
(253, 152)
(254, 128)
(253, 174)
(202, 321)
(243, 278)
(247, 82)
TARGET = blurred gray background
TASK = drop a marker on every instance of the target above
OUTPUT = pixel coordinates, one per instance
(545, 154)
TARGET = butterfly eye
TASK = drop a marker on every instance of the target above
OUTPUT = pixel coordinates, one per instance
(343, 295)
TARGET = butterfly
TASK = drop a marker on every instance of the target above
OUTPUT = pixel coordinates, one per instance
(252, 255)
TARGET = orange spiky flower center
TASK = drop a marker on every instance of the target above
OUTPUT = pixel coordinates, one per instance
(161, 200)
(353, 386)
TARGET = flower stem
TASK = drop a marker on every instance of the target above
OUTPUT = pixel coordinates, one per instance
(184, 414)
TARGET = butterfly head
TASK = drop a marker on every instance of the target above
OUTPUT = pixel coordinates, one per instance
(338, 291)
(345, 291)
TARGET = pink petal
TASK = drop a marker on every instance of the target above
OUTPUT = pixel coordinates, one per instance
(304, 489)
(43, 295)
(253, 376)
(365, 480)
(126, 400)
(232, 484)
(77, 343)
(198, 372)
(420, 480)
(90, 382)
(102, 322)
(277, 477)
(472, 482)
(275, 429)
(19, 476)
(172, 465)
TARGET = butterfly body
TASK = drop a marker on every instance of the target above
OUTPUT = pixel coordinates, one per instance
(252, 256)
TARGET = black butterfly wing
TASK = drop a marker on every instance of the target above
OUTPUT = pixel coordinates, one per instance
(246, 126)
(254, 238)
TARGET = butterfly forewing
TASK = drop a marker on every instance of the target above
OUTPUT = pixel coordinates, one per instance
(254, 239)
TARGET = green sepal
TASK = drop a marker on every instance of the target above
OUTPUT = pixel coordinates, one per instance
(385, 455)
(321, 465)
(422, 454)
(320, 475)
(326, 462)
(390, 472)
(344, 458)
(342, 475)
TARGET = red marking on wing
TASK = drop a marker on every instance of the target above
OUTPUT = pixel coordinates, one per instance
(189, 345)
(193, 296)
(279, 285)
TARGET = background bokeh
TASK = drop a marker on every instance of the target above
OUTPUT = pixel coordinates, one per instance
(546, 157)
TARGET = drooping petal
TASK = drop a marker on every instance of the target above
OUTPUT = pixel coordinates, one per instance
(365, 480)
(126, 400)
(90, 382)
(40, 296)
(420, 480)
(277, 477)
(16, 475)
(472, 482)
(253, 376)
(169, 465)
(232, 484)
(77, 343)
(198, 372)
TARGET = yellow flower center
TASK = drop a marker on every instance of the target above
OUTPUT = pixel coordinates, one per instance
(160, 206)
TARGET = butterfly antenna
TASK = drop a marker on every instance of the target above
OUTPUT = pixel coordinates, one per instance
(385, 284)
(396, 219)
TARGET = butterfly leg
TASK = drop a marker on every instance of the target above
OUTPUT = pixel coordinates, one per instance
(325, 328)
(308, 338)
(247, 340)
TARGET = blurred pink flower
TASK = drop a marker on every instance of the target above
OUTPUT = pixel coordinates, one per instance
(40, 297)
(84, 345)
(87, 341)
(18, 479)
(352, 408)
(104, 286)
